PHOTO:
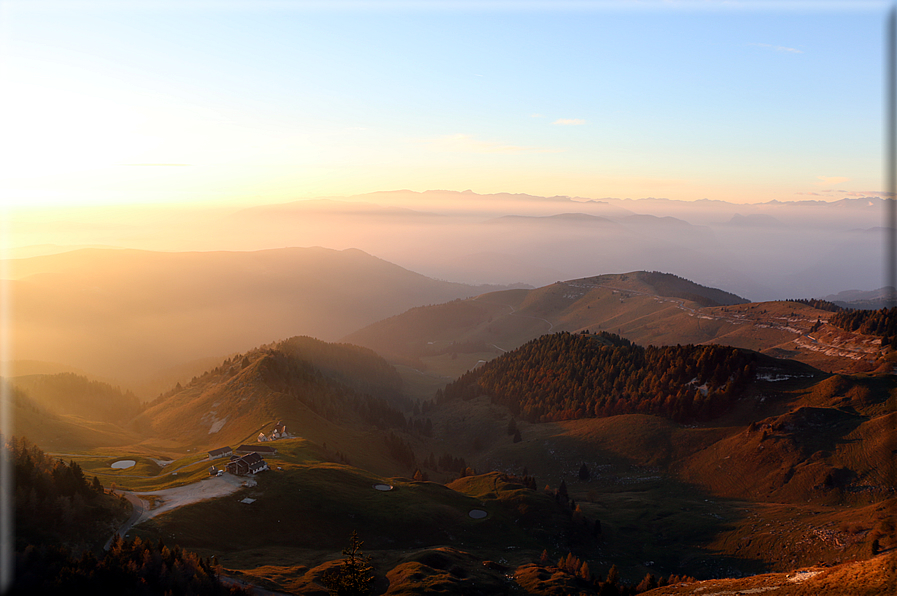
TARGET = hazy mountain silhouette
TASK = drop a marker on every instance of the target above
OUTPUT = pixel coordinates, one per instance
(124, 314)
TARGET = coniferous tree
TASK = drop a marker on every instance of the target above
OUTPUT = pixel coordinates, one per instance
(512, 426)
(562, 495)
(613, 576)
(354, 575)
(584, 473)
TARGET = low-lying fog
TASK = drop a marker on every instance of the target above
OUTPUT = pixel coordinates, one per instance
(760, 251)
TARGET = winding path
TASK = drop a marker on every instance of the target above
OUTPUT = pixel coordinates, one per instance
(140, 507)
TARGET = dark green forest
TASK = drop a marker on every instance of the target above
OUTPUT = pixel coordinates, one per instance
(51, 489)
(571, 376)
(336, 381)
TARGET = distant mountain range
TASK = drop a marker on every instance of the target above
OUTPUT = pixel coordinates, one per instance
(869, 300)
(766, 251)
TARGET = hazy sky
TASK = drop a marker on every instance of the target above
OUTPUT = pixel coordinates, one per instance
(274, 101)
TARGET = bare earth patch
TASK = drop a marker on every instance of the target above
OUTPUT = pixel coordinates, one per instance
(172, 498)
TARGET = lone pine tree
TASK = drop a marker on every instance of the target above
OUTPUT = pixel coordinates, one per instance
(354, 575)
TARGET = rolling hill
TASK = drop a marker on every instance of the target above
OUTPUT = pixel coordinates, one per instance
(796, 470)
(645, 307)
(341, 396)
(793, 433)
(62, 432)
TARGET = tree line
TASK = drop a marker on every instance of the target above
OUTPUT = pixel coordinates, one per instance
(325, 396)
(568, 376)
(882, 322)
(817, 303)
(51, 489)
(130, 568)
(60, 516)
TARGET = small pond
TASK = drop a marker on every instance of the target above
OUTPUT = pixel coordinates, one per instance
(477, 513)
(123, 464)
(383, 487)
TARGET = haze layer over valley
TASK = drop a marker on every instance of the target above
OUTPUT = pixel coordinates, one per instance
(767, 251)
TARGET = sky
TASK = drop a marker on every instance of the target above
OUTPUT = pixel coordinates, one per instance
(235, 103)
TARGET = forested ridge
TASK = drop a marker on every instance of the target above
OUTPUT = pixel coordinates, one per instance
(68, 393)
(130, 568)
(327, 397)
(360, 368)
(569, 376)
(817, 303)
(336, 381)
(882, 322)
(51, 489)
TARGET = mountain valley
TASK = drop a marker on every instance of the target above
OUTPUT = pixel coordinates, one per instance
(748, 463)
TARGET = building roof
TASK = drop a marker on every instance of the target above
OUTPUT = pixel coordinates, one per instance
(256, 448)
(251, 463)
(251, 458)
(220, 451)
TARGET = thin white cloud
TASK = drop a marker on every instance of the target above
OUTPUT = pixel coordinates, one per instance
(536, 116)
(847, 193)
(778, 48)
(569, 122)
(462, 143)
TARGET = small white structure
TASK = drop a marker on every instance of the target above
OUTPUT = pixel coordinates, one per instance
(279, 432)
(262, 438)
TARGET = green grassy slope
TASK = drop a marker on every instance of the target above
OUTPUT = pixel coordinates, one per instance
(312, 507)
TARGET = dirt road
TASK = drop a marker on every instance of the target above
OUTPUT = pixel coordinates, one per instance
(172, 498)
(139, 509)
